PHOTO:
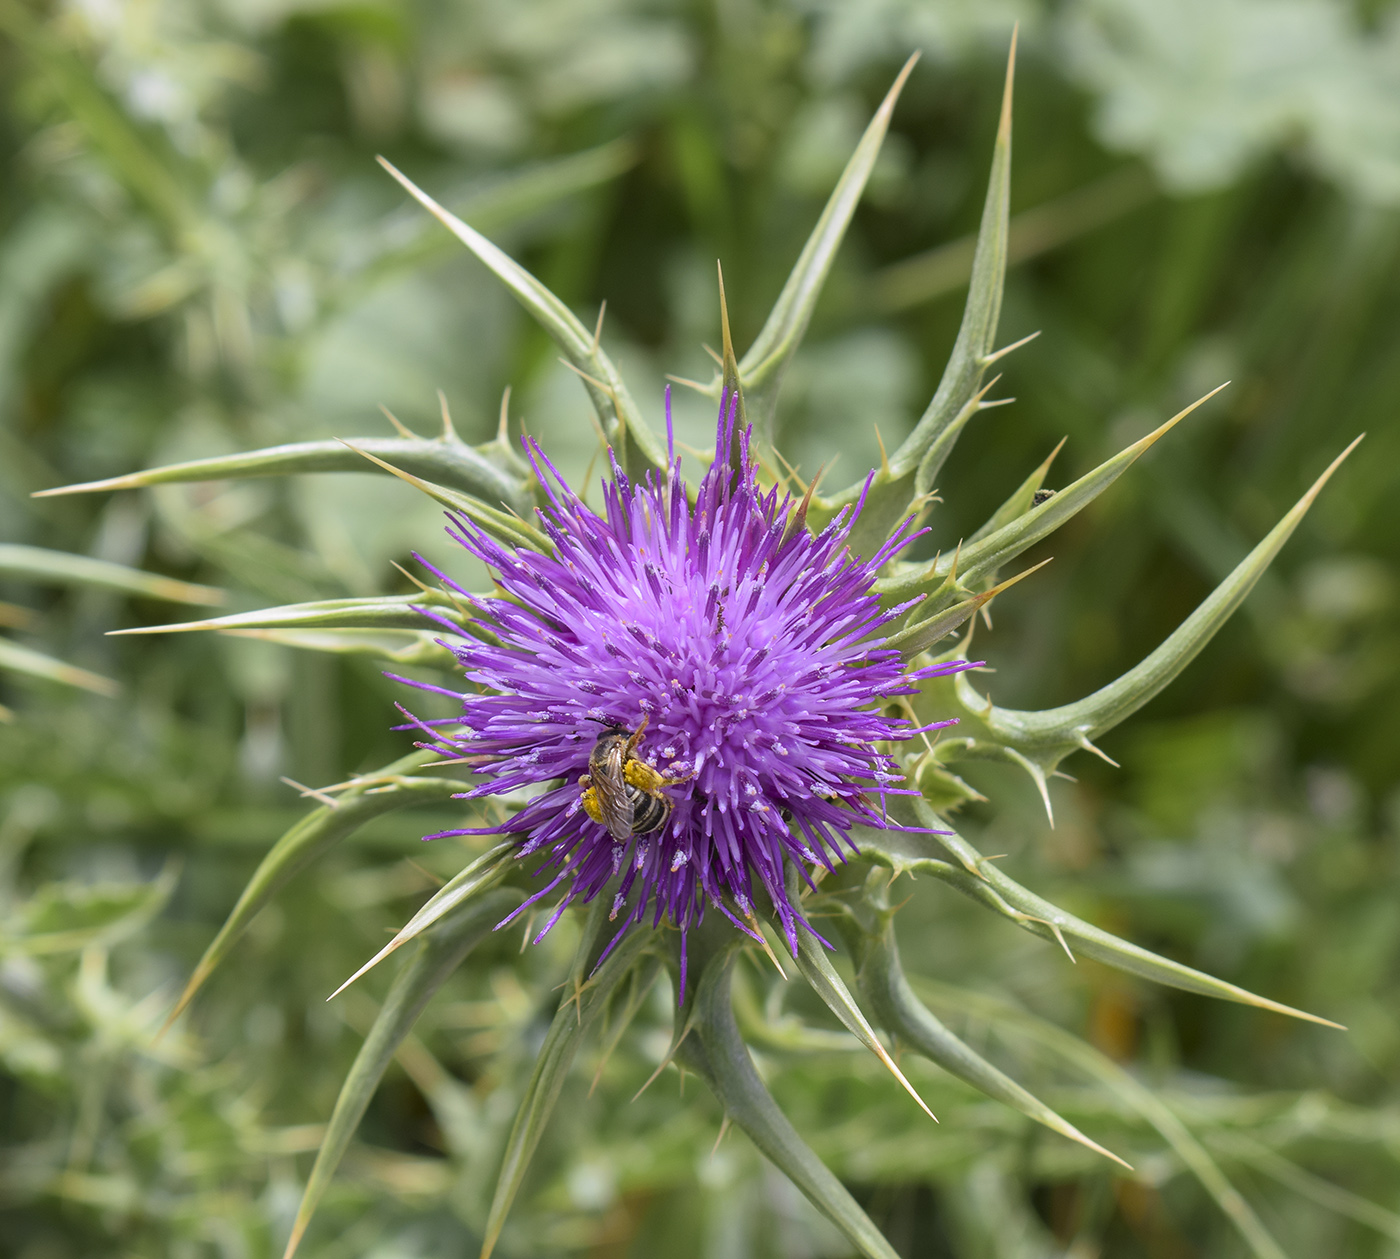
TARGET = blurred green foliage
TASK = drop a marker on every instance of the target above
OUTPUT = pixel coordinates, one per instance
(200, 256)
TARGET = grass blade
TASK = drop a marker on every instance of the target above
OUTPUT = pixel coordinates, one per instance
(152, 178)
(946, 268)
(63, 568)
(35, 664)
(1300, 1181)
(440, 951)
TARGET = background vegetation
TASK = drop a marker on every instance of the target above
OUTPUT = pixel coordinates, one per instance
(199, 255)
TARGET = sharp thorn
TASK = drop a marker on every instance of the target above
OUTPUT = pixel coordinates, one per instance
(449, 434)
(1144, 442)
(427, 590)
(311, 793)
(689, 384)
(1004, 125)
(884, 458)
(598, 327)
(399, 426)
(502, 429)
(989, 359)
(762, 941)
(1099, 752)
(662, 1065)
(594, 381)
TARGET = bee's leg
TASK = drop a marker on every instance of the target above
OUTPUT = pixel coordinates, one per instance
(588, 797)
(636, 737)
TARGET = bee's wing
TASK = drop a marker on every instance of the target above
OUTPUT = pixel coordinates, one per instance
(611, 789)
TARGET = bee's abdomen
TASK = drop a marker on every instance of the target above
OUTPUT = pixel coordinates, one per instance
(648, 812)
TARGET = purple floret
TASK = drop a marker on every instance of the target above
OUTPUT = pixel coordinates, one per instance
(744, 643)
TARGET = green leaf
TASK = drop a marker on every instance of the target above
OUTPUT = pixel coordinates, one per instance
(374, 613)
(1292, 1177)
(909, 476)
(717, 1051)
(623, 424)
(506, 526)
(35, 664)
(952, 575)
(572, 1021)
(1131, 1092)
(503, 201)
(464, 887)
(441, 951)
(64, 568)
(731, 385)
(68, 917)
(761, 370)
(921, 635)
(360, 802)
(817, 969)
(1021, 500)
(985, 882)
(446, 460)
(1048, 736)
(882, 981)
(403, 648)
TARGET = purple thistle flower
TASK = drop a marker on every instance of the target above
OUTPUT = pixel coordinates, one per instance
(740, 641)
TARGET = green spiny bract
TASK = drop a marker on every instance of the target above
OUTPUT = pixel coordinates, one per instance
(495, 490)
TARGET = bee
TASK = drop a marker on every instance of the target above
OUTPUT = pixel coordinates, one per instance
(622, 792)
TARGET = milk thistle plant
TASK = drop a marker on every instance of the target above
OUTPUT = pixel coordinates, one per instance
(722, 714)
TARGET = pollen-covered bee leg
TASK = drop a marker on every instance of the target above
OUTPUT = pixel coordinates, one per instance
(589, 799)
(636, 737)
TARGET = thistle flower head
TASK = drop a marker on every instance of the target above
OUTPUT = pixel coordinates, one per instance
(724, 653)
